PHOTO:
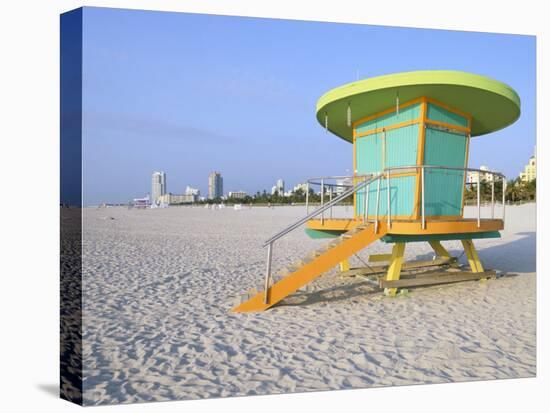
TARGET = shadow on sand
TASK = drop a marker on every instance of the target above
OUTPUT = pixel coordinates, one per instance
(342, 292)
(516, 256)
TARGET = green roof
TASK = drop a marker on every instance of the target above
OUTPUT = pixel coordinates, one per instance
(492, 104)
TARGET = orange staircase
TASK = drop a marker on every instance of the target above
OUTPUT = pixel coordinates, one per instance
(314, 265)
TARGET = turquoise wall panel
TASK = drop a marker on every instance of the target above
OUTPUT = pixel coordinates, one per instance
(437, 113)
(405, 114)
(444, 189)
(368, 154)
(401, 150)
(444, 148)
(402, 146)
(402, 197)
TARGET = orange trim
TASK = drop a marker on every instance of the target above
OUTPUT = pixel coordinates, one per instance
(414, 227)
(451, 109)
(420, 155)
(402, 174)
(385, 112)
(443, 217)
(387, 128)
(393, 217)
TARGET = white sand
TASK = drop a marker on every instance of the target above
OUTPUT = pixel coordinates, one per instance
(159, 286)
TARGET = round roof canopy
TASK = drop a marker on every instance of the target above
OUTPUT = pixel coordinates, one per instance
(493, 105)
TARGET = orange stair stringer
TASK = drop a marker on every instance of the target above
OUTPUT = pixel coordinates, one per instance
(350, 243)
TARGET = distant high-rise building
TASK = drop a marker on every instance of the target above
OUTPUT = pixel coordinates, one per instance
(279, 188)
(158, 186)
(530, 171)
(215, 185)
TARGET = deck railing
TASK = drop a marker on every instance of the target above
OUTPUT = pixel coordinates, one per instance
(386, 175)
(331, 186)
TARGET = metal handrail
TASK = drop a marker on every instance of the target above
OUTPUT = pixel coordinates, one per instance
(394, 168)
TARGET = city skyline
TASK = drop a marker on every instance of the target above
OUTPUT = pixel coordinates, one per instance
(160, 188)
(280, 183)
(241, 116)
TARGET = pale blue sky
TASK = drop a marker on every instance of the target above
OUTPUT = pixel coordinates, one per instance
(189, 94)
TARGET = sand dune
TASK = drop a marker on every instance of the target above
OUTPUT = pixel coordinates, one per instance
(159, 286)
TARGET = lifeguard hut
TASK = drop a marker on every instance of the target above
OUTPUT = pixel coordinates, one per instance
(411, 135)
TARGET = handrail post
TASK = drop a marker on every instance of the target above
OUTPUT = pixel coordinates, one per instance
(366, 202)
(307, 197)
(322, 201)
(330, 200)
(493, 197)
(504, 183)
(377, 204)
(478, 200)
(423, 199)
(388, 188)
(268, 272)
